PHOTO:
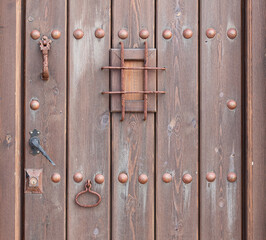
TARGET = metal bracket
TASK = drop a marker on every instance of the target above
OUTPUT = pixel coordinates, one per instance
(33, 181)
(34, 133)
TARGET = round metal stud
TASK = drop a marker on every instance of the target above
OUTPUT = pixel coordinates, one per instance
(56, 34)
(231, 104)
(56, 177)
(78, 34)
(210, 33)
(144, 34)
(34, 104)
(78, 177)
(187, 33)
(231, 33)
(167, 177)
(35, 34)
(231, 177)
(122, 177)
(123, 34)
(143, 178)
(99, 178)
(187, 178)
(167, 34)
(99, 33)
(210, 176)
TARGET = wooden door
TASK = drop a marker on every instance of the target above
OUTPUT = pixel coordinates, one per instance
(133, 123)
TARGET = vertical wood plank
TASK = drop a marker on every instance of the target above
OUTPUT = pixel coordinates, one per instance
(133, 139)
(45, 213)
(177, 121)
(220, 131)
(255, 121)
(10, 119)
(88, 122)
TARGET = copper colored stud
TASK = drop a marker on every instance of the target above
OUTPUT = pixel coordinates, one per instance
(99, 33)
(167, 177)
(231, 33)
(187, 33)
(56, 34)
(231, 104)
(78, 34)
(78, 177)
(56, 177)
(187, 178)
(144, 34)
(210, 33)
(34, 104)
(167, 34)
(143, 178)
(35, 34)
(210, 176)
(99, 178)
(231, 177)
(122, 178)
(123, 34)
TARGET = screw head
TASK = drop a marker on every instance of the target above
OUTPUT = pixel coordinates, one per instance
(167, 34)
(187, 33)
(35, 34)
(56, 34)
(99, 178)
(123, 34)
(210, 176)
(143, 178)
(187, 178)
(167, 177)
(122, 177)
(210, 33)
(78, 177)
(56, 177)
(231, 177)
(231, 33)
(34, 104)
(231, 104)
(144, 33)
(78, 34)
(99, 33)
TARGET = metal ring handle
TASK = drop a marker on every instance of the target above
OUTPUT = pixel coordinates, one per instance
(88, 189)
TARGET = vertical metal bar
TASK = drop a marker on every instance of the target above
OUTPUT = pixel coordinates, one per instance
(123, 96)
(145, 81)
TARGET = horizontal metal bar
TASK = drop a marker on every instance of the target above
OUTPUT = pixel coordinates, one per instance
(133, 68)
(125, 92)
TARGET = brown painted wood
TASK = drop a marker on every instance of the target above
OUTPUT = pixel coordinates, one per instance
(133, 139)
(45, 213)
(88, 121)
(177, 122)
(220, 127)
(255, 121)
(10, 120)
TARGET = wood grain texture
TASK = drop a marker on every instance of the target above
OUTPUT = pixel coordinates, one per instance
(10, 120)
(45, 213)
(177, 121)
(88, 122)
(133, 154)
(133, 139)
(220, 128)
(255, 121)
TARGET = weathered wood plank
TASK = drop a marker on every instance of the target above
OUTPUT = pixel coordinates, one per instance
(255, 121)
(133, 139)
(88, 122)
(45, 213)
(177, 121)
(220, 127)
(10, 120)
